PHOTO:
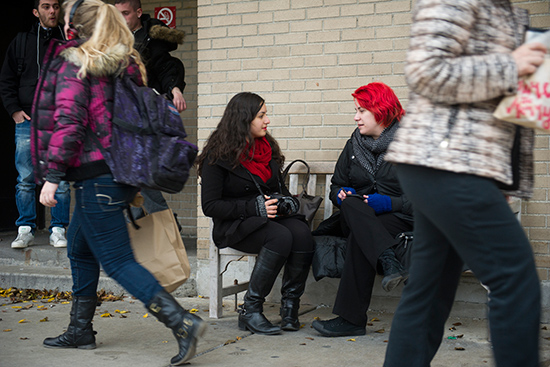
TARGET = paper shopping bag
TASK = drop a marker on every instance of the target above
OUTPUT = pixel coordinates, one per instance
(530, 107)
(159, 248)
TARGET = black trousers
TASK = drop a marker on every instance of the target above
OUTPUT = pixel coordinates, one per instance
(369, 236)
(460, 218)
(281, 235)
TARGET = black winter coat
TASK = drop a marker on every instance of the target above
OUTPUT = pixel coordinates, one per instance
(349, 173)
(229, 196)
(17, 92)
(154, 42)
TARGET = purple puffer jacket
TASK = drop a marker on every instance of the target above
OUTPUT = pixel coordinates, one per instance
(65, 106)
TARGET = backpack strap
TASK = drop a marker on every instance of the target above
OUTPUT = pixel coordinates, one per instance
(20, 50)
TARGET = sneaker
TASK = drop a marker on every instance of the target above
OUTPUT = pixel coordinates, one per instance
(57, 238)
(24, 237)
(338, 327)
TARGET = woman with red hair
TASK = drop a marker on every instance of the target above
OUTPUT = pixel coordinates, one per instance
(373, 209)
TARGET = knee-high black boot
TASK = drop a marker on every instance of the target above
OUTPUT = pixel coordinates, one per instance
(294, 284)
(186, 327)
(394, 272)
(79, 334)
(251, 317)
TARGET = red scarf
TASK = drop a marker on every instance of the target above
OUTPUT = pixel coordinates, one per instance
(261, 156)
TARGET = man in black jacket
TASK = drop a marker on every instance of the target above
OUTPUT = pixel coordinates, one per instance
(18, 80)
(165, 73)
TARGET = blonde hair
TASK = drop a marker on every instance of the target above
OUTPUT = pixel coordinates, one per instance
(103, 28)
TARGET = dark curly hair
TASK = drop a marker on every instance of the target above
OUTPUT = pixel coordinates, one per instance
(232, 134)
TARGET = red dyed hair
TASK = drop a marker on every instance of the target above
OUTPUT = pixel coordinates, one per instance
(381, 101)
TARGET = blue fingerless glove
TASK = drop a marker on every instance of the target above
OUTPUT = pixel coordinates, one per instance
(346, 189)
(380, 203)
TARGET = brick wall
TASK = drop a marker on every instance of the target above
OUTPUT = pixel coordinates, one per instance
(305, 57)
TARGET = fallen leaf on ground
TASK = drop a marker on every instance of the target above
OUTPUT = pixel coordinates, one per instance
(459, 348)
(45, 319)
(351, 340)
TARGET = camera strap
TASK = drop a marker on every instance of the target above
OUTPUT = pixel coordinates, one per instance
(258, 185)
(254, 180)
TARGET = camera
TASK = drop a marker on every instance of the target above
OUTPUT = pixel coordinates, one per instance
(286, 205)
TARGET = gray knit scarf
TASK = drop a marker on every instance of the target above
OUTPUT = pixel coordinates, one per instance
(371, 152)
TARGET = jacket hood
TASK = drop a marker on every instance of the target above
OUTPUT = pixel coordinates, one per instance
(158, 30)
(167, 34)
(107, 64)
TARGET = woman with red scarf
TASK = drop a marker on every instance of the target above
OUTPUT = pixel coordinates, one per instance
(253, 211)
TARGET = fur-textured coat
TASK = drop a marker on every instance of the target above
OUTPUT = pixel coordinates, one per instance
(65, 106)
(459, 66)
(154, 42)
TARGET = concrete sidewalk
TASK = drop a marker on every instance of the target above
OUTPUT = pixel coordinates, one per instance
(135, 340)
(143, 341)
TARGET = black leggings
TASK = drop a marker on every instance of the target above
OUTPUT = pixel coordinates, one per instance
(281, 235)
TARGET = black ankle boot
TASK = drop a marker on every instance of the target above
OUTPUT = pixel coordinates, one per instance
(79, 334)
(294, 283)
(186, 327)
(251, 317)
(394, 272)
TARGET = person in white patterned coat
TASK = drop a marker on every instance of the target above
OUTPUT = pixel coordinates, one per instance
(456, 164)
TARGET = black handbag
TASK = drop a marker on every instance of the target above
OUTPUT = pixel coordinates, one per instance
(309, 204)
(329, 256)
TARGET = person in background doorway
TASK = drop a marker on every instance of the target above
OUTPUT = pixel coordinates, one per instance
(18, 79)
(166, 74)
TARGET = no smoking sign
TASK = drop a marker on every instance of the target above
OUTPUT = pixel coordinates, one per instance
(166, 14)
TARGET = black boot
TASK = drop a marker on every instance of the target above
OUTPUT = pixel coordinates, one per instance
(294, 283)
(79, 334)
(186, 327)
(251, 317)
(394, 272)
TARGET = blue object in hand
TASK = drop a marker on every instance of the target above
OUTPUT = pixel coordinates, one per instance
(380, 203)
(346, 190)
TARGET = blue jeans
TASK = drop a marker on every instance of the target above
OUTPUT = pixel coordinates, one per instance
(98, 236)
(459, 217)
(25, 193)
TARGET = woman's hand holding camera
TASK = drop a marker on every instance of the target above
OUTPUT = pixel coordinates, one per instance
(271, 207)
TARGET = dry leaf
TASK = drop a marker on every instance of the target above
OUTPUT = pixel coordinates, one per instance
(193, 310)
(309, 338)
(24, 338)
(374, 319)
(459, 348)
(106, 314)
(457, 324)
(6, 330)
(45, 319)
(146, 316)
(380, 331)
(351, 340)
(229, 342)
(23, 321)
